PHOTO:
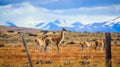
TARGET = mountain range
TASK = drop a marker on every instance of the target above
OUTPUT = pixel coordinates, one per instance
(106, 26)
(112, 25)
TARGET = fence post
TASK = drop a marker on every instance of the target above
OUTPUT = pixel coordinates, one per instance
(108, 56)
(26, 49)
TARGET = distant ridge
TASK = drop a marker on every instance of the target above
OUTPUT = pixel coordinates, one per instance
(18, 29)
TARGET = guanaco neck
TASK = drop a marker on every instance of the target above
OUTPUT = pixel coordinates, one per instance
(62, 35)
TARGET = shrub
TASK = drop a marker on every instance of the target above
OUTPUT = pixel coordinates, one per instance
(71, 42)
(23, 50)
(2, 45)
(11, 31)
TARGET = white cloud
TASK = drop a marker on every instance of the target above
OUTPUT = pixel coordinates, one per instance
(98, 10)
(27, 15)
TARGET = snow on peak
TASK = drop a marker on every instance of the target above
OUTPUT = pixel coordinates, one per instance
(113, 21)
(117, 19)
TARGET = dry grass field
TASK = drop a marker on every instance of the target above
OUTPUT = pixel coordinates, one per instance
(12, 52)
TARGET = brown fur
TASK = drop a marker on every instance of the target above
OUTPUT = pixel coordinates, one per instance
(100, 43)
(85, 44)
(54, 40)
(38, 43)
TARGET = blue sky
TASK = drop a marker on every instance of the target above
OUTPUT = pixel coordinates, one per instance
(28, 13)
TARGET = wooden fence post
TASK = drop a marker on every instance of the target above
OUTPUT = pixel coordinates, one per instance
(26, 49)
(108, 56)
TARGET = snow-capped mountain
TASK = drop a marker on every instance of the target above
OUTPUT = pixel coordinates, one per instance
(107, 26)
(51, 26)
(101, 27)
(57, 21)
(76, 27)
(37, 25)
(8, 23)
(117, 27)
(114, 24)
(113, 21)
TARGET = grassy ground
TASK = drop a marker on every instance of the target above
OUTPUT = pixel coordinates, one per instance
(12, 52)
(69, 56)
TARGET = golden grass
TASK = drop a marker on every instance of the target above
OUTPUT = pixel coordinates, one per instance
(69, 56)
(13, 54)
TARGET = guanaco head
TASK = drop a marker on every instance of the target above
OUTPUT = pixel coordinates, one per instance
(63, 29)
